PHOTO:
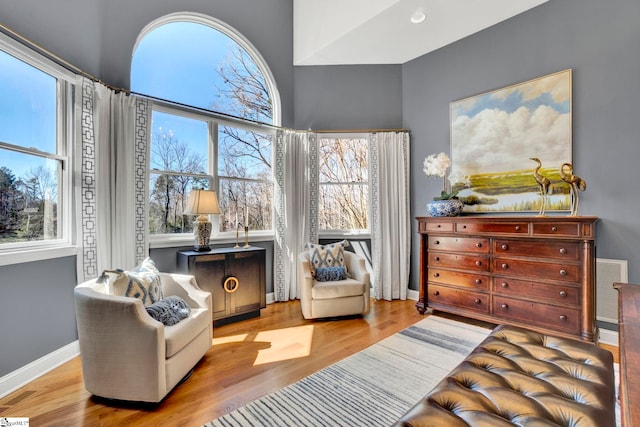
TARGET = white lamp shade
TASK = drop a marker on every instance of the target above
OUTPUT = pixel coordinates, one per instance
(202, 202)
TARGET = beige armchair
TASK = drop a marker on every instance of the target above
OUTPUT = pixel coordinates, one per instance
(126, 354)
(332, 299)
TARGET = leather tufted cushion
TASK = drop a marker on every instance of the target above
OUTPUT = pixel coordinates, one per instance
(519, 377)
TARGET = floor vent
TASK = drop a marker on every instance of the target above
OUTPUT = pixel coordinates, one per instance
(608, 272)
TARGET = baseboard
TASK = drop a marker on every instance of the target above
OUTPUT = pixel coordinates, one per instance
(270, 298)
(20, 377)
(411, 294)
(608, 337)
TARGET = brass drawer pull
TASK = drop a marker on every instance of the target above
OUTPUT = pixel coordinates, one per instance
(436, 293)
(563, 317)
(505, 285)
(437, 242)
(505, 266)
(505, 247)
(231, 284)
(505, 306)
(478, 263)
(563, 251)
(478, 301)
(563, 272)
(436, 274)
(563, 294)
(436, 258)
(478, 281)
(478, 245)
(517, 228)
(554, 228)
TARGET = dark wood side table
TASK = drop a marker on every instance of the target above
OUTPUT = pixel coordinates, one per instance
(234, 276)
(629, 345)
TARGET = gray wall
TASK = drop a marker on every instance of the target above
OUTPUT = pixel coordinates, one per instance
(348, 97)
(37, 313)
(36, 299)
(600, 41)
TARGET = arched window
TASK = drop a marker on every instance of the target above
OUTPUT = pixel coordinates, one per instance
(196, 61)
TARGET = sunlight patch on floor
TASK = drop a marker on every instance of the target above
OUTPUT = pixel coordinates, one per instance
(230, 339)
(288, 343)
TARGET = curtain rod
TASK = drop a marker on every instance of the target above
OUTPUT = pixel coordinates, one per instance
(357, 130)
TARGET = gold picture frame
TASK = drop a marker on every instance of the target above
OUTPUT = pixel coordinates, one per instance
(494, 137)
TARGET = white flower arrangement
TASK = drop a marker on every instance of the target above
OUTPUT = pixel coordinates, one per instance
(437, 165)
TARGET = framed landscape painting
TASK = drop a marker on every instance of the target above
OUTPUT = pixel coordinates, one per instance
(494, 137)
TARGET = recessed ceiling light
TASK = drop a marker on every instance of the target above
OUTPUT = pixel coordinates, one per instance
(418, 16)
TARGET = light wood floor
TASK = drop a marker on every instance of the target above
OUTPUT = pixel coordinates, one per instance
(248, 359)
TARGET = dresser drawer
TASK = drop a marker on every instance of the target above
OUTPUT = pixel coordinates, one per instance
(542, 270)
(534, 313)
(435, 226)
(459, 244)
(537, 248)
(519, 227)
(458, 278)
(569, 229)
(466, 262)
(442, 296)
(534, 291)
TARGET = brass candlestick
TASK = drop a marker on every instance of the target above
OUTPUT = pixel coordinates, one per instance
(246, 237)
(237, 236)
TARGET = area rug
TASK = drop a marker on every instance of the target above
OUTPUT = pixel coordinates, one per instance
(373, 387)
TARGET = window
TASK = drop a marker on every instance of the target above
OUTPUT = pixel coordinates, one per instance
(206, 65)
(34, 168)
(343, 202)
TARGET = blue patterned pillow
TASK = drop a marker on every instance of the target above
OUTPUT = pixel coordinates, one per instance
(170, 310)
(331, 274)
(331, 255)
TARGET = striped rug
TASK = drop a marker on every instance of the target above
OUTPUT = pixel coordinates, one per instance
(371, 388)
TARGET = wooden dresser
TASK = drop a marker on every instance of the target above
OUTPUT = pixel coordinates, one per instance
(535, 272)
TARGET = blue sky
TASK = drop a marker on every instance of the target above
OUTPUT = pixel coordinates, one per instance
(27, 111)
(178, 61)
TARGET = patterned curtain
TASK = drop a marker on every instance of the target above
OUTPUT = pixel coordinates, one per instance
(111, 195)
(296, 206)
(390, 214)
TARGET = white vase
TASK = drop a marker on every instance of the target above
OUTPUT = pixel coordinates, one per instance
(451, 207)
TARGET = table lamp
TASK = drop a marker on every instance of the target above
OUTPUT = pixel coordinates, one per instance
(202, 203)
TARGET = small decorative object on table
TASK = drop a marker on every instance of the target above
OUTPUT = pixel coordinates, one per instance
(576, 183)
(447, 204)
(544, 183)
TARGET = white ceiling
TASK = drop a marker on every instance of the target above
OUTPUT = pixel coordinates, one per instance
(330, 32)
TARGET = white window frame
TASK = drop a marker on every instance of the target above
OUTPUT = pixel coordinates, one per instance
(360, 233)
(213, 121)
(20, 252)
(172, 240)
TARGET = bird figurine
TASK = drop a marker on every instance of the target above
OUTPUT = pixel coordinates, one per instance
(575, 182)
(544, 183)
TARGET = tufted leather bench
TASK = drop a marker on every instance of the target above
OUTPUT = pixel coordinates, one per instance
(519, 377)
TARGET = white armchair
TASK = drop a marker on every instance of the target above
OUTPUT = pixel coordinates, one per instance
(339, 298)
(126, 354)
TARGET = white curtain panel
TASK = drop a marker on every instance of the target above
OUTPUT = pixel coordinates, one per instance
(390, 216)
(112, 198)
(292, 210)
